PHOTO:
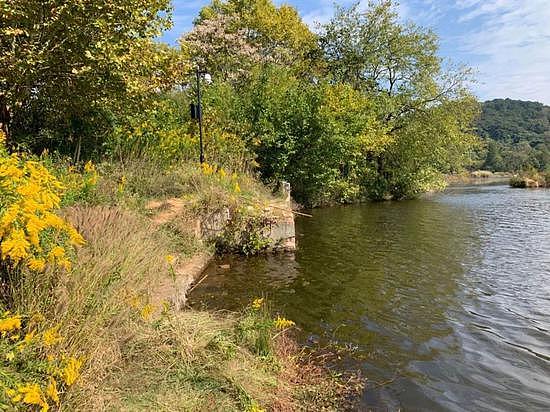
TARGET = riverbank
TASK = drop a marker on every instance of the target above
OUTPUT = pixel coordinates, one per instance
(425, 308)
(531, 180)
(113, 330)
(477, 177)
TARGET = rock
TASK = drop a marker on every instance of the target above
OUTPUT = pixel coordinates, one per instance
(225, 266)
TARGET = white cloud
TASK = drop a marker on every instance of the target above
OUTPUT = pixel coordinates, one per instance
(511, 43)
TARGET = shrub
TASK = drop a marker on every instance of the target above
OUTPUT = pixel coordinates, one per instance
(34, 371)
(31, 233)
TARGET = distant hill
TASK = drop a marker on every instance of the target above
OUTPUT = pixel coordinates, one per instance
(517, 134)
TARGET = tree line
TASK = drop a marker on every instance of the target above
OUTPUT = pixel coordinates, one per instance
(361, 107)
(517, 135)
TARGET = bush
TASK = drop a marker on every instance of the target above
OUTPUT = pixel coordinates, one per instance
(34, 371)
(31, 233)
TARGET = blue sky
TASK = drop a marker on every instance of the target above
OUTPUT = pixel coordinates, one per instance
(507, 42)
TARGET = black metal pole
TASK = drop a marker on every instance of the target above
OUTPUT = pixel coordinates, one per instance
(200, 114)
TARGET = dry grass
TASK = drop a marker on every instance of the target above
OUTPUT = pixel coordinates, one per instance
(173, 361)
(145, 181)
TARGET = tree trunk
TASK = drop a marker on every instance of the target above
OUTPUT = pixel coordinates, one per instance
(5, 118)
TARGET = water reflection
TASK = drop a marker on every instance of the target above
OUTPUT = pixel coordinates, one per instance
(445, 297)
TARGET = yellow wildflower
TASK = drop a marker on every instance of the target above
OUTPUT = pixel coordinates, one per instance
(207, 169)
(16, 246)
(10, 356)
(134, 301)
(51, 337)
(9, 324)
(170, 259)
(89, 167)
(257, 303)
(64, 263)
(92, 180)
(165, 306)
(121, 184)
(222, 173)
(256, 408)
(32, 395)
(36, 264)
(237, 188)
(57, 252)
(49, 199)
(27, 340)
(13, 395)
(71, 371)
(51, 390)
(75, 237)
(147, 311)
(282, 323)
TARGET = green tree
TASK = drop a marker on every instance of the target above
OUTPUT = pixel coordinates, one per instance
(231, 36)
(420, 102)
(519, 130)
(61, 61)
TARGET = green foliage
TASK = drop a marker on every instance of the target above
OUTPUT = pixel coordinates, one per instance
(247, 232)
(313, 135)
(517, 135)
(424, 108)
(64, 63)
(365, 109)
(232, 36)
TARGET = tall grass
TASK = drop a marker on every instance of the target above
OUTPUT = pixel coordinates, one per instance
(136, 360)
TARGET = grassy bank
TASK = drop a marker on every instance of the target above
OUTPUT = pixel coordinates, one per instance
(92, 334)
(475, 177)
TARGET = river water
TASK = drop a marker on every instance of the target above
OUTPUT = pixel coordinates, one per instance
(443, 302)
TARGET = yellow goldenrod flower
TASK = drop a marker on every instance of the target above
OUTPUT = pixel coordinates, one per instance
(256, 408)
(75, 237)
(282, 323)
(10, 324)
(36, 264)
(257, 303)
(147, 311)
(207, 169)
(56, 253)
(27, 340)
(134, 301)
(121, 184)
(64, 263)
(32, 395)
(89, 167)
(13, 395)
(51, 337)
(31, 196)
(16, 246)
(51, 390)
(71, 371)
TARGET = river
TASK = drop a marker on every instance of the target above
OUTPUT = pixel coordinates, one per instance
(442, 302)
